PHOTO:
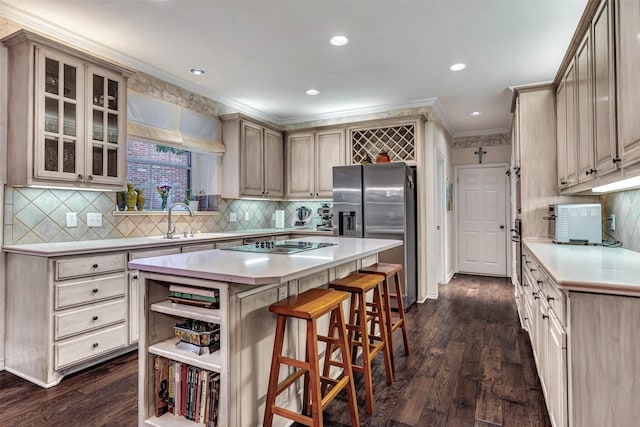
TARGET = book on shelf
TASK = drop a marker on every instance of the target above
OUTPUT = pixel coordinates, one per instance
(195, 297)
(196, 391)
(203, 304)
(195, 291)
(161, 389)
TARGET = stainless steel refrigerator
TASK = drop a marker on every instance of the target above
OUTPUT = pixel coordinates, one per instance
(379, 201)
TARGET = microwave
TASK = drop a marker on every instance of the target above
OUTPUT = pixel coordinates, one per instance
(575, 223)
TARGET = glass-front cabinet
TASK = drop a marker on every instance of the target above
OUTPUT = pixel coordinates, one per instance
(67, 124)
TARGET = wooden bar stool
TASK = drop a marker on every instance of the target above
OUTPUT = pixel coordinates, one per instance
(360, 316)
(388, 271)
(309, 306)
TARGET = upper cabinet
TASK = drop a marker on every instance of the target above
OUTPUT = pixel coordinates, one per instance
(67, 121)
(628, 74)
(597, 99)
(253, 162)
(311, 157)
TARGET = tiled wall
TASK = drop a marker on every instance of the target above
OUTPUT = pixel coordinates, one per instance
(626, 207)
(39, 216)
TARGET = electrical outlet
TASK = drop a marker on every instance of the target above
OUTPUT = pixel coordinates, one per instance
(246, 216)
(94, 219)
(232, 217)
(282, 293)
(612, 217)
(72, 219)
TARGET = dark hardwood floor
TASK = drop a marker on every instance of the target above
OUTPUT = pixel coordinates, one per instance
(471, 365)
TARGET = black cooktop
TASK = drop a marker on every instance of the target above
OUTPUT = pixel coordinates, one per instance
(283, 247)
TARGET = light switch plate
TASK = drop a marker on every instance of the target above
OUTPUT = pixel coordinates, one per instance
(72, 219)
(94, 219)
(246, 216)
(232, 217)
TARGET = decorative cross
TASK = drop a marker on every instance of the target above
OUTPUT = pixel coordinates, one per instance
(480, 152)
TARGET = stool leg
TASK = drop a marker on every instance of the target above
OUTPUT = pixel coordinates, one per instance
(387, 314)
(401, 312)
(329, 350)
(275, 371)
(306, 409)
(347, 370)
(314, 375)
(353, 333)
(377, 296)
(366, 356)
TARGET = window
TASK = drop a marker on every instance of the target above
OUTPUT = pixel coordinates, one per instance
(151, 165)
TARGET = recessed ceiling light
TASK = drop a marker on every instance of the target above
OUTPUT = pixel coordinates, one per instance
(476, 113)
(312, 92)
(458, 67)
(198, 71)
(339, 40)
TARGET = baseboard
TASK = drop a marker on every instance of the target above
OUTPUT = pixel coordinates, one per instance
(449, 277)
(33, 380)
(432, 295)
(1, 364)
(421, 301)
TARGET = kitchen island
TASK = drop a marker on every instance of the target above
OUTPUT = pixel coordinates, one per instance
(247, 284)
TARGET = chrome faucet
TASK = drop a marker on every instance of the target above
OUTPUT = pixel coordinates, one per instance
(172, 230)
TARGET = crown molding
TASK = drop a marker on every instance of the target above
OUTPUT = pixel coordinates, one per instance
(76, 40)
(494, 131)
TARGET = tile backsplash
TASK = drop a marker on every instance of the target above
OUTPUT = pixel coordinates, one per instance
(35, 215)
(625, 205)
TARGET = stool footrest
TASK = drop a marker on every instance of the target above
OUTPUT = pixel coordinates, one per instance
(294, 362)
(289, 380)
(339, 385)
(328, 340)
(299, 418)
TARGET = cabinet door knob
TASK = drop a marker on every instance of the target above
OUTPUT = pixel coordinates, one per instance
(563, 182)
(525, 284)
(311, 194)
(539, 282)
(95, 290)
(90, 178)
(95, 345)
(532, 270)
(616, 160)
(95, 265)
(135, 277)
(95, 318)
(551, 299)
(80, 177)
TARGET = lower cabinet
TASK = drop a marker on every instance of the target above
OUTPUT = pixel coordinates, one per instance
(586, 351)
(64, 314)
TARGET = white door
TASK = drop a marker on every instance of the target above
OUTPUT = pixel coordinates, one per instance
(482, 220)
(440, 206)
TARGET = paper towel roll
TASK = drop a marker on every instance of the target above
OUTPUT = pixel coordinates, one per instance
(279, 219)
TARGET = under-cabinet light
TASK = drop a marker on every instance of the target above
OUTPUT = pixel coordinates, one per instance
(312, 92)
(618, 185)
(476, 113)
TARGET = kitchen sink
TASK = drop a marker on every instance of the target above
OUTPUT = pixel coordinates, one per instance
(280, 247)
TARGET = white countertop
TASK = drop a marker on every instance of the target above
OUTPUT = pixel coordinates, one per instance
(109, 245)
(260, 268)
(596, 269)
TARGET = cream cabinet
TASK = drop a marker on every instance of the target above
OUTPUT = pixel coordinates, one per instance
(310, 158)
(67, 121)
(584, 110)
(64, 314)
(544, 314)
(253, 162)
(628, 69)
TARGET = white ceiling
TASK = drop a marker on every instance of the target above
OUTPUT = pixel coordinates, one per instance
(261, 56)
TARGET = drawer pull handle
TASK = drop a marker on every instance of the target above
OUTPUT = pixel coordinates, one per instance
(532, 270)
(539, 282)
(95, 318)
(551, 299)
(95, 290)
(545, 317)
(135, 277)
(95, 345)
(95, 265)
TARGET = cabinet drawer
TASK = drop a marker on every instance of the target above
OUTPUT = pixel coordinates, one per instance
(198, 248)
(76, 350)
(90, 290)
(556, 301)
(86, 319)
(228, 244)
(153, 252)
(68, 268)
